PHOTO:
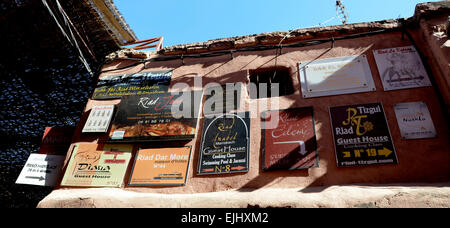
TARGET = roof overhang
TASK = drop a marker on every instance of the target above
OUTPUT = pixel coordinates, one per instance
(113, 21)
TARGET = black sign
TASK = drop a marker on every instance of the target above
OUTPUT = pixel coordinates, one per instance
(117, 86)
(167, 116)
(361, 135)
(225, 144)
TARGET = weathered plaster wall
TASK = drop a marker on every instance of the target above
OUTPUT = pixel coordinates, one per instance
(434, 35)
(425, 160)
(420, 161)
(372, 196)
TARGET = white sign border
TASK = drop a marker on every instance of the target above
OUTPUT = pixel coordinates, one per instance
(406, 133)
(387, 87)
(40, 177)
(362, 60)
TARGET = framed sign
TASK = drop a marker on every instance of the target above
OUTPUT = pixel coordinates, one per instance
(93, 166)
(361, 135)
(292, 143)
(156, 117)
(161, 166)
(414, 120)
(99, 119)
(344, 75)
(401, 68)
(225, 144)
(117, 86)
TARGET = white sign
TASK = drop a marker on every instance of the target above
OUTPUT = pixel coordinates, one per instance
(401, 68)
(41, 169)
(99, 119)
(414, 120)
(344, 75)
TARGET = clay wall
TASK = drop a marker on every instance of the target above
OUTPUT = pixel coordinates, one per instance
(421, 160)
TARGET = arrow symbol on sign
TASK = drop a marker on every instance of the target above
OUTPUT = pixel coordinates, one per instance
(347, 154)
(238, 168)
(385, 151)
(302, 150)
(38, 178)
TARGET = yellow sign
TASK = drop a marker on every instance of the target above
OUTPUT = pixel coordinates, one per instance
(93, 165)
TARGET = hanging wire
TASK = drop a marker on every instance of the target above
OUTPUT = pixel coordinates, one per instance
(71, 25)
(325, 22)
(254, 48)
(340, 13)
(71, 39)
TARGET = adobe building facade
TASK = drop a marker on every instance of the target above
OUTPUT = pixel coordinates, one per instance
(419, 167)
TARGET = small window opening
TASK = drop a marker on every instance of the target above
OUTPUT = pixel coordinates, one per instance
(267, 80)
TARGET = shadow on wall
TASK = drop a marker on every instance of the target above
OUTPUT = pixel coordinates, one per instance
(268, 177)
(327, 173)
(263, 178)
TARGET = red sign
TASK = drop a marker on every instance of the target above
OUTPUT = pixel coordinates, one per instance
(56, 140)
(292, 143)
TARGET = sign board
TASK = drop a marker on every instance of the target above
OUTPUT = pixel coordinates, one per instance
(361, 135)
(401, 68)
(414, 120)
(99, 119)
(161, 166)
(143, 83)
(223, 98)
(225, 144)
(292, 143)
(93, 166)
(41, 169)
(344, 75)
(156, 117)
(56, 140)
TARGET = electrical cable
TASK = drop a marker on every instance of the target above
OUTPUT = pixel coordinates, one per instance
(254, 48)
(325, 22)
(67, 19)
(125, 67)
(74, 43)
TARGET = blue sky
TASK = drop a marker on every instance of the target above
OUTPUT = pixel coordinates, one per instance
(188, 21)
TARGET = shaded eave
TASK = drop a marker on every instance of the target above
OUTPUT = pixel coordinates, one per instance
(112, 21)
(97, 25)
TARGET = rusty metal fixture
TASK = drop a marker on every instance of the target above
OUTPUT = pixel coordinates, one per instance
(341, 12)
(147, 43)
